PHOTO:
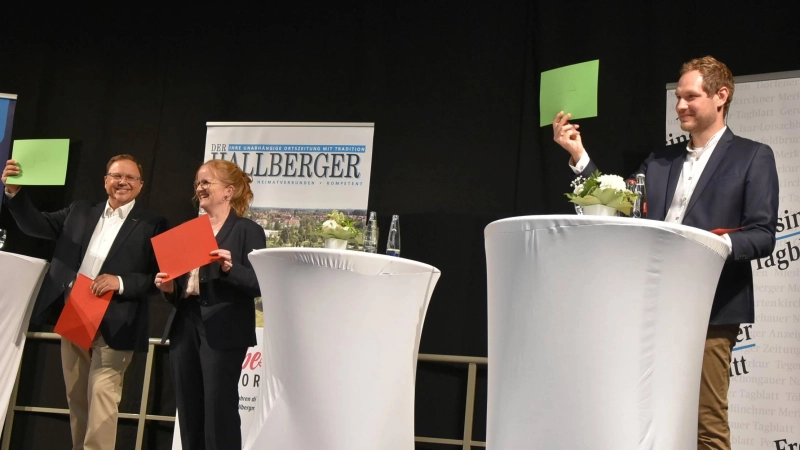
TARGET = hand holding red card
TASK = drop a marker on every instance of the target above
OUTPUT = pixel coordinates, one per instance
(185, 247)
(82, 314)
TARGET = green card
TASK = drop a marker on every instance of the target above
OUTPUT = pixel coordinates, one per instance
(42, 162)
(572, 89)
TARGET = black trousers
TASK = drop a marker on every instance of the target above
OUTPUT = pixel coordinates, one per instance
(206, 384)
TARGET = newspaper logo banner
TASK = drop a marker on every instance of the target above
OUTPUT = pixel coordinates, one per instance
(306, 167)
(301, 173)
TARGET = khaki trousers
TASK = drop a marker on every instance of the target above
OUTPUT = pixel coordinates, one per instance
(94, 387)
(712, 420)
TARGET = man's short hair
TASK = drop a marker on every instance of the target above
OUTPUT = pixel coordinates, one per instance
(129, 158)
(715, 75)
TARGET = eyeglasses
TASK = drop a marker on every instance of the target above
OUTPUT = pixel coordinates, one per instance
(119, 177)
(204, 184)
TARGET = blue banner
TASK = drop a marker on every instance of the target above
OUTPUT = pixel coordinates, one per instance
(7, 105)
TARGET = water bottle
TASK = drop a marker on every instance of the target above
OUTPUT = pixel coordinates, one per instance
(2, 238)
(393, 243)
(371, 234)
(641, 190)
(636, 208)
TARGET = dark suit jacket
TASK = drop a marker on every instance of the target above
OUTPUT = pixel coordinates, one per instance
(738, 188)
(227, 299)
(125, 325)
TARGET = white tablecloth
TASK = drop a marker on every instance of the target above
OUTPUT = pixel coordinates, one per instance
(596, 331)
(341, 339)
(20, 280)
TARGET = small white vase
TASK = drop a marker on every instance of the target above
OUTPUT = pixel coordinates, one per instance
(336, 244)
(599, 210)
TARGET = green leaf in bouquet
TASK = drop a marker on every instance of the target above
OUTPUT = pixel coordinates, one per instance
(589, 200)
(341, 233)
(607, 196)
(621, 205)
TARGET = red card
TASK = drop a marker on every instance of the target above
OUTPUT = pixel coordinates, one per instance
(81, 317)
(721, 231)
(185, 247)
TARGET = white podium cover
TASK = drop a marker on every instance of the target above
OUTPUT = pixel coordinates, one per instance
(20, 280)
(341, 339)
(596, 331)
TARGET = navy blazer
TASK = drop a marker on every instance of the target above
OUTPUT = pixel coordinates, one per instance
(737, 189)
(125, 325)
(227, 300)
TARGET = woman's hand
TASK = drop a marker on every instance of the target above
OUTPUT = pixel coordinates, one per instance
(166, 286)
(224, 259)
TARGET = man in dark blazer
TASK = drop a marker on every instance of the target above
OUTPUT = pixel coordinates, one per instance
(717, 181)
(108, 242)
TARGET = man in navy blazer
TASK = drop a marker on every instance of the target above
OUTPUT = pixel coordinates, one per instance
(717, 181)
(108, 242)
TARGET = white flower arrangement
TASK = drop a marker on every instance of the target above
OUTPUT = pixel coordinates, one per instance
(598, 189)
(338, 226)
(611, 182)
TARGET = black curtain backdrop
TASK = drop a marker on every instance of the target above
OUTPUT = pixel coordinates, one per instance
(451, 87)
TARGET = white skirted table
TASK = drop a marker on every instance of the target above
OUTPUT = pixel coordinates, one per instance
(20, 280)
(596, 331)
(341, 339)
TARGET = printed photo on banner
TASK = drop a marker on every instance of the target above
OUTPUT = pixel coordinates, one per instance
(291, 227)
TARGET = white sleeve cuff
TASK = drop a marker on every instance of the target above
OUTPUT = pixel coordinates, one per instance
(728, 243)
(121, 288)
(581, 164)
(9, 194)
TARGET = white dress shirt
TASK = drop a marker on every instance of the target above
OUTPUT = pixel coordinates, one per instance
(103, 236)
(193, 284)
(693, 166)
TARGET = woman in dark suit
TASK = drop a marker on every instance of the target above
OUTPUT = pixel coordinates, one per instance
(213, 322)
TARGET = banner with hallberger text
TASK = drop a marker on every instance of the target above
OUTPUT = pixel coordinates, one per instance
(8, 103)
(301, 172)
(764, 395)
